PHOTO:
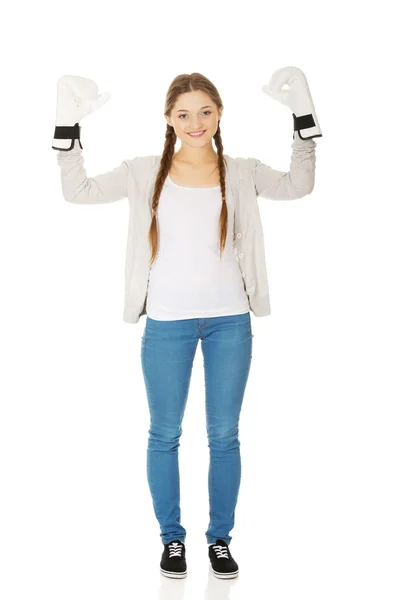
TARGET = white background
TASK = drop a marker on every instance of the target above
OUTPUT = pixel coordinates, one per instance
(317, 515)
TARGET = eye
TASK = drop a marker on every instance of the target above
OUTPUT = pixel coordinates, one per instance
(206, 111)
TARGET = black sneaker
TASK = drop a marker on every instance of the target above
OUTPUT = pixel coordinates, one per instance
(173, 560)
(222, 563)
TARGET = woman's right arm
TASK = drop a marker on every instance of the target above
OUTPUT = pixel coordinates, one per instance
(80, 189)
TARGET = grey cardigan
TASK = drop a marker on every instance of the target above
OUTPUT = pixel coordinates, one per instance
(247, 178)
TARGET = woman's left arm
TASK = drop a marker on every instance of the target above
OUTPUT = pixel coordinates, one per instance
(299, 180)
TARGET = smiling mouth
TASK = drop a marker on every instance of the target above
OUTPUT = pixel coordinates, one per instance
(197, 133)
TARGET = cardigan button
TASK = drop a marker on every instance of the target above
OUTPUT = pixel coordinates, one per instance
(241, 255)
(239, 235)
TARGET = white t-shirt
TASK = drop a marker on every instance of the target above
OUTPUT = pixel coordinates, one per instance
(188, 279)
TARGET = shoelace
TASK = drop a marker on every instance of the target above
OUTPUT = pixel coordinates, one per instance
(175, 549)
(222, 551)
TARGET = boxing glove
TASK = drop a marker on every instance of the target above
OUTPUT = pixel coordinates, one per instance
(76, 98)
(298, 98)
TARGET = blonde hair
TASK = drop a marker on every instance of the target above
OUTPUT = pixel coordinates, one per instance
(180, 85)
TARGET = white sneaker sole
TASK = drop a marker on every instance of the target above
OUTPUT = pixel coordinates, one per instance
(173, 574)
(225, 575)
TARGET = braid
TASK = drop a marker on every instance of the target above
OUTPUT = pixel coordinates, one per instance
(223, 219)
(165, 165)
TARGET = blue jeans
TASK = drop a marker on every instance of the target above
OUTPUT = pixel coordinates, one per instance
(168, 350)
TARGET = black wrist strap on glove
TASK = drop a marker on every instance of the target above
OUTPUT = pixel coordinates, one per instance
(304, 122)
(64, 132)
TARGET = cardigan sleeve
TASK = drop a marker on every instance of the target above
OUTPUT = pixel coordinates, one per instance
(288, 185)
(80, 189)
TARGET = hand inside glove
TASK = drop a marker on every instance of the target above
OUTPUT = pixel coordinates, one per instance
(76, 98)
(297, 97)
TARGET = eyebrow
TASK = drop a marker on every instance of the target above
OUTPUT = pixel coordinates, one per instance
(185, 109)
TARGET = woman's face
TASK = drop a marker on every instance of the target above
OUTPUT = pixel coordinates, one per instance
(192, 112)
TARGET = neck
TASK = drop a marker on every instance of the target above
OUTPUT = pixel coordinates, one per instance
(196, 157)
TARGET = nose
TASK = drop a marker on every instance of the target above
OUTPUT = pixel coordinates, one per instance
(195, 126)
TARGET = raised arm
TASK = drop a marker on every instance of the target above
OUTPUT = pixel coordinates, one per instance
(292, 184)
(80, 189)
(299, 180)
(77, 97)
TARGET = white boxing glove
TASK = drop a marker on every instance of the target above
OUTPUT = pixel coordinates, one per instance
(76, 98)
(297, 98)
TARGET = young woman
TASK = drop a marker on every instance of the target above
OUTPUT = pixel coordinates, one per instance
(188, 278)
